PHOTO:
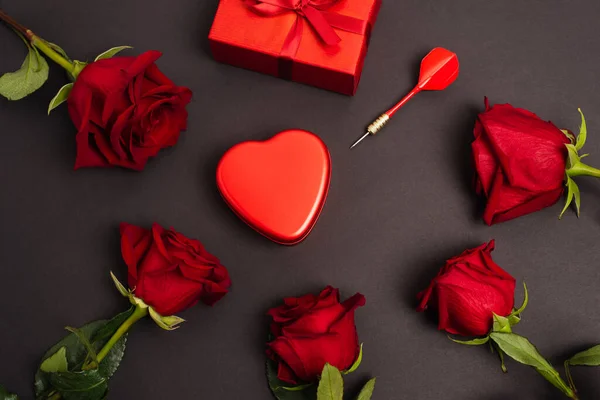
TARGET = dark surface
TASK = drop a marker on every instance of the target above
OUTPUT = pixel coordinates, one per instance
(399, 205)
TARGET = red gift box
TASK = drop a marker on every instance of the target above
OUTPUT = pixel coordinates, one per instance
(321, 43)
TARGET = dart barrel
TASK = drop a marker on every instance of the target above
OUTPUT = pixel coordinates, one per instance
(378, 124)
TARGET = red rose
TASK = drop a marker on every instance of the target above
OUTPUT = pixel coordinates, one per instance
(169, 271)
(125, 111)
(468, 290)
(520, 162)
(311, 331)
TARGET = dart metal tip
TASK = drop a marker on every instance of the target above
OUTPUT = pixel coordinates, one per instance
(363, 137)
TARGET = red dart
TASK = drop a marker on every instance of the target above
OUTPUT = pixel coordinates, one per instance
(439, 69)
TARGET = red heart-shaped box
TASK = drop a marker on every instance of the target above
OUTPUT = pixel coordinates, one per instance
(278, 186)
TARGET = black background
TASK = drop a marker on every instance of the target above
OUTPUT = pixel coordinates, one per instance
(399, 205)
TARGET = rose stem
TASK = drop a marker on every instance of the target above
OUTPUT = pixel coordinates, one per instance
(38, 42)
(138, 314)
(580, 169)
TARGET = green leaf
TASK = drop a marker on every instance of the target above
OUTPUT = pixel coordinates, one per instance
(61, 97)
(572, 192)
(582, 137)
(589, 357)
(474, 342)
(282, 390)
(76, 353)
(82, 385)
(356, 364)
(331, 385)
(91, 352)
(27, 79)
(5, 395)
(104, 333)
(56, 362)
(501, 324)
(110, 53)
(521, 350)
(110, 363)
(367, 391)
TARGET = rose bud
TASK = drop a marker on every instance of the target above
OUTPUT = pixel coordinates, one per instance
(125, 110)
(467, 292)
(310, 331)
(170, 272)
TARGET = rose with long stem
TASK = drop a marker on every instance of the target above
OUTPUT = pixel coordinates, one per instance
(474, 297)
(156, 259)
(124, 108)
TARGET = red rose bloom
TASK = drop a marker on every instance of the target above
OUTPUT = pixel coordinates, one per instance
(311, 331)
(125, 111)
(169, 271)
(468, 290)
(520, 162)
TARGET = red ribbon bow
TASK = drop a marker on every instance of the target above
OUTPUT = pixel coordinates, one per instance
(314, 11)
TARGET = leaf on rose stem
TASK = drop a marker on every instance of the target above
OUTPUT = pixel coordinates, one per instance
(331, 385)
(57, 362)
(582, 137)
(356, 364)
(283, 391)
(473, 342)
(589, 357)
(27, 79)
(367, 391)
(91, 352)
(61, 97)
(5, 395)
(572, 192)
(82, 385)
(521, 350)
(110, 53)
(76, 352)
(104, 333)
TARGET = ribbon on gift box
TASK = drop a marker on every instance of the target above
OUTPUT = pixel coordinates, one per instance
(315, 12)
